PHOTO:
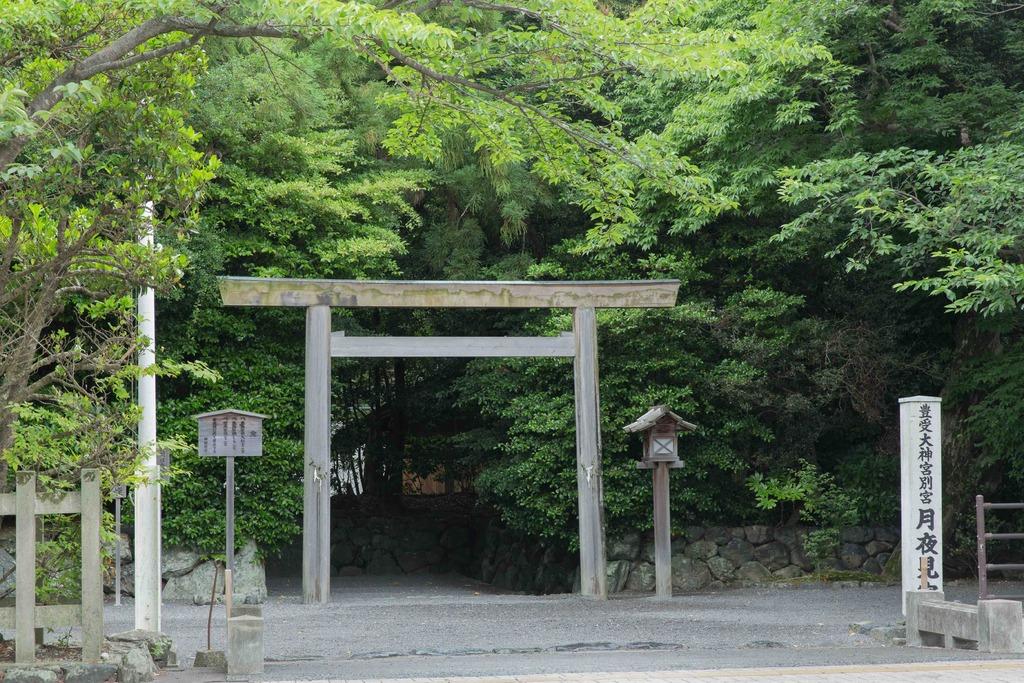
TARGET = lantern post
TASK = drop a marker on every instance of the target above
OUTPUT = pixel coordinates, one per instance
(659, 427)
(118, 491)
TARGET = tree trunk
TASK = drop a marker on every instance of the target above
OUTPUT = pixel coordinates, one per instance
(397, 430)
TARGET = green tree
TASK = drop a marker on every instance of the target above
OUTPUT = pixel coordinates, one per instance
(74, 181)
(936, 195)
(300, 193)
(75, 72)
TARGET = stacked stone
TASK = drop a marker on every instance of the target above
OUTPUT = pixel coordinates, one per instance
(189, 577)
(516, 562)
(405, 544)
(712, 557)
(7, 550)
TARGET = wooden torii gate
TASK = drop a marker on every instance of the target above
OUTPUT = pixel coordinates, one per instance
(318, 296)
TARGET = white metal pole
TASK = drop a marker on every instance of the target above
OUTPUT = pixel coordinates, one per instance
(147, 494)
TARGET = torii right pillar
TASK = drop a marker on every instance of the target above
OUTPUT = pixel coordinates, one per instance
(593, 579)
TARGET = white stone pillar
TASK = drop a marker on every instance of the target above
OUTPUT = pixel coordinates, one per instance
(147, 494)
(921, 494)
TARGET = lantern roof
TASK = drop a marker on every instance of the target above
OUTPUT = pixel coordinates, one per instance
(655, 415)
(230, 411)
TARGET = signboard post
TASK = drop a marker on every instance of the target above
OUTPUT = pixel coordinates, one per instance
(921, 494)
(119, 491)
(230, 434)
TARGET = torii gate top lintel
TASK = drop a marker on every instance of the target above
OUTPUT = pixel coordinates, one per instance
(256, 291)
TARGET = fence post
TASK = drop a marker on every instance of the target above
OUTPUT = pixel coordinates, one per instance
(25, 572)
(92, 582)
(979, 506)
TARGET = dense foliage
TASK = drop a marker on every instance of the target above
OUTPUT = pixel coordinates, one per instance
(835, 184)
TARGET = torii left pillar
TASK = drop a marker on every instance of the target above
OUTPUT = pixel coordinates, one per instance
(316, 509)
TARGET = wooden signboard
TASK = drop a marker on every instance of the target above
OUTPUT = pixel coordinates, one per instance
(230, 433)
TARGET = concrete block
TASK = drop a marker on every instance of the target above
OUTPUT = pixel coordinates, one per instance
(916, 637)
(211, 659)
(957, 621)
(245, 645)
(244, 610)
(1000, 626)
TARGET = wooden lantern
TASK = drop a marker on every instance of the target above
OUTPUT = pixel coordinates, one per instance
(660, 427)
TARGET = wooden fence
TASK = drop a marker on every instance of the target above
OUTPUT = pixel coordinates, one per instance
(984, 566)
(26, 615)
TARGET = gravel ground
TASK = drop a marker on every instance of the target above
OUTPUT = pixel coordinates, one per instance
(378, 627)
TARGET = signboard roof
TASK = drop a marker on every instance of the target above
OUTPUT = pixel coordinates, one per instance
(229, 411)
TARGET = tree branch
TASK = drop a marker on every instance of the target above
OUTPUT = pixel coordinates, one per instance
(505, 97)
(118, 55)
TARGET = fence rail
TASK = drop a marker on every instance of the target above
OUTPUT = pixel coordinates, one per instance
(983, 538)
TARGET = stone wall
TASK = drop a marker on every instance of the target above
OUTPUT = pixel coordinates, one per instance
(451, 534)
(511, 560)
(188, 575)
(8, 543)
(717, 556)
(385, 537)
(702, 557)
(446, 534)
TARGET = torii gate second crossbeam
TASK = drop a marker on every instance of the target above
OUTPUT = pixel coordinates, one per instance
(318, 296)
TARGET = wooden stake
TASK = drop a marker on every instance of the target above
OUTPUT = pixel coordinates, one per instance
(92, 581)
(117, 552)
(229, 591)
(213, 599)
(25, 570)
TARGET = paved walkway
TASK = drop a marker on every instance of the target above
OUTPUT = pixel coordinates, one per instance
(397, 627)
(949, 672)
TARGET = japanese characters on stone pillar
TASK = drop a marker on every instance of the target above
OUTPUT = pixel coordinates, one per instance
(921, 494)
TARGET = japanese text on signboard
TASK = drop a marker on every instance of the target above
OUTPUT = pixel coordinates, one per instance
(230, 435)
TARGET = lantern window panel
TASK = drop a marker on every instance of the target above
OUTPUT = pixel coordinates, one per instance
(661, 445)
